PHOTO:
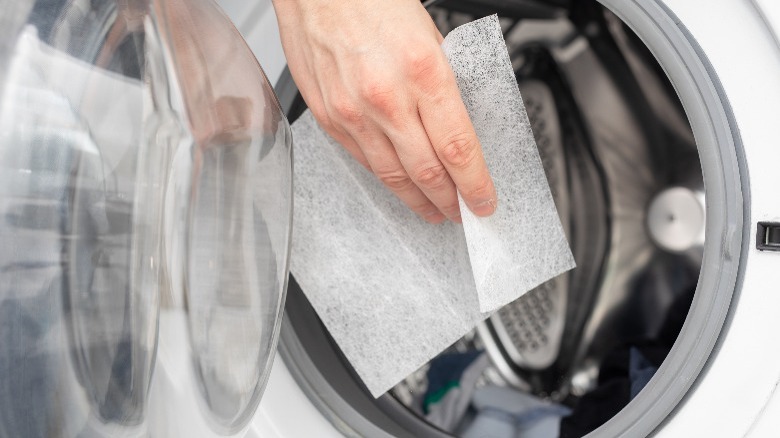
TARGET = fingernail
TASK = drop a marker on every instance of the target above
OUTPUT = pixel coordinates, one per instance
(457, 219)
(484, 208)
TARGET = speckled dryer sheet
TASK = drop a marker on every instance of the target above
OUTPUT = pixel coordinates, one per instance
(393, 290)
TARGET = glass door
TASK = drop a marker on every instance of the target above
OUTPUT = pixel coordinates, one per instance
(145, 204)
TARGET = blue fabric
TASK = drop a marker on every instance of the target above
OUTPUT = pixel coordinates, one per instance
(640, 371)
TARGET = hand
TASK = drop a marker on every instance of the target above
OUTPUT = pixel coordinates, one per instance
(374, 76)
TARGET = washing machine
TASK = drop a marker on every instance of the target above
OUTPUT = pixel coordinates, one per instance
(147, 208)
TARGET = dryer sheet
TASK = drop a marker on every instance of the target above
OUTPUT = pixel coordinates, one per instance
(395, 291)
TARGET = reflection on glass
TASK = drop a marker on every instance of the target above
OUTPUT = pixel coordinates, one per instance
(144, 220)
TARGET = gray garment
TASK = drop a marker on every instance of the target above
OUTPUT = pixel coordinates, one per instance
(507, 413)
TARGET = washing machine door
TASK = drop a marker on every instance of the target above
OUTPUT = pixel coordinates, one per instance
(145, 212)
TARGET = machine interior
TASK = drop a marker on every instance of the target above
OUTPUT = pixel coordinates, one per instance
(625, 174)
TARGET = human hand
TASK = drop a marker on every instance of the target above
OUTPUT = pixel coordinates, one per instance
(375, 78)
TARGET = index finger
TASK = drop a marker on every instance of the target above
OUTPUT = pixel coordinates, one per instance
(452, 135)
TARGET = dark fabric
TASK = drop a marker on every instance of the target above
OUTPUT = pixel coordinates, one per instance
(595, 408)
(445, 372)
(640, 371)
(618, 381)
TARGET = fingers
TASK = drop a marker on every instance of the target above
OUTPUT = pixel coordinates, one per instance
(389, 97)
(396, 121)
(386, 165)
(423, 148)
(455, 143)
(424, 168)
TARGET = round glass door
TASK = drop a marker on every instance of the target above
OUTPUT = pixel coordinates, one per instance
(145, 204)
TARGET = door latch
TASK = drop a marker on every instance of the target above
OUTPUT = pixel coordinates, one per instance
(768, 236)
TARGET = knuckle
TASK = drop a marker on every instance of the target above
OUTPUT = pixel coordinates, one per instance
(451, 210)
(423, 64)
(380, 95)
(459, 151)
(347, 111)
(480, 190)
(394, 179)
(432, 177)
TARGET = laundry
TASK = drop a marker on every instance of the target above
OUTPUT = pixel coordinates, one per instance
(452, 380)
(507, 413)
(458, 400)
(385, 282)
(624, 372)
(640, 371)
